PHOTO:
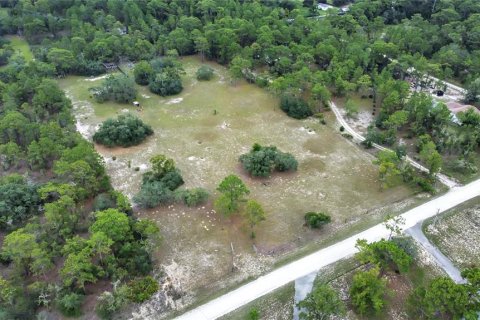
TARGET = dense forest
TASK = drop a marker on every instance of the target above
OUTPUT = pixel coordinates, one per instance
(62, 225)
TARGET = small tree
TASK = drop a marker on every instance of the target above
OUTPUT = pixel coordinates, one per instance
(384, 254)
(321, 304)
(254, 214)
(142, 73)
(394, 225)
(233, 190)
(442, 299)
(167, 82)
(431, 157)
(367, 292)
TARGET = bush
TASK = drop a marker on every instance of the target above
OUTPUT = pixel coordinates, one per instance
(192, 197)
(119, 88)
(103, 201)
(142, 73)
(18, 201)
(108, 303)
(153, 194)
(142, 289)
(167, 82)
(295, 107)
(317, 219)
(127, 130)
(262, 161)
(70, 303)
(285, 162)
(204, 73)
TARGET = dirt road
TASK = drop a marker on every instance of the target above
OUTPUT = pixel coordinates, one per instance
(358, 137)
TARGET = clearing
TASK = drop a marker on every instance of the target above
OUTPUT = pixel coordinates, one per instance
(449, 233)
(334, 176)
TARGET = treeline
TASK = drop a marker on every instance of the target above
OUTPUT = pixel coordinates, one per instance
(64, 226)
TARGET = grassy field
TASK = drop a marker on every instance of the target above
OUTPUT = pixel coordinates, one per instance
(334, 175)
(21, 47)
(277, 305)
(457, 233)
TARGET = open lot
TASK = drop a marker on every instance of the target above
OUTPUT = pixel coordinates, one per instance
(457, 234)
(334, 176)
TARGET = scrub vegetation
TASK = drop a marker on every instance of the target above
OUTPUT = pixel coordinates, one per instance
(71, 243)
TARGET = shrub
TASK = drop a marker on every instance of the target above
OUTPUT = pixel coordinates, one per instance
(262, 161)
(166, 83)
(142, 73)
(119, 88)
(127, 130)
(192, 197)
(317, 219)
(367, 292)
(18, 200)
(204, 73)
(142, 289)
(70, 303)
(153, 194)
(285, 162)
(108, 303)
(295, 107)
(103, 201)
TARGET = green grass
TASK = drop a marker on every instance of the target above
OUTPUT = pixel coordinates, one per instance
(21, 47)
(275, 305)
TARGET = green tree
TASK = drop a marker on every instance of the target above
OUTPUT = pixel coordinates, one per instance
(321, 304)
(321, 94)
(119, 88)
(161, 165)
(142, 73)
(127, 130)
(24, 251)
(166, 83)
(254, 214)
(431, 157)
(62, 59)
(442, 298)
(472, 94)
(11, 154)
(367, 292)
(238, 67)
(385, 254)
(78, 269)
(113, 223)
(397, 119)
(232, 191)
(202, 46)
(388, 168)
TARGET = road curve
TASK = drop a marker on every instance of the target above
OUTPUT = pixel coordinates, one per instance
(358, 137)
(443, 262)
(313, 262)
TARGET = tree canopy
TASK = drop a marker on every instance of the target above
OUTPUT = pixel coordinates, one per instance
(127, 130)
